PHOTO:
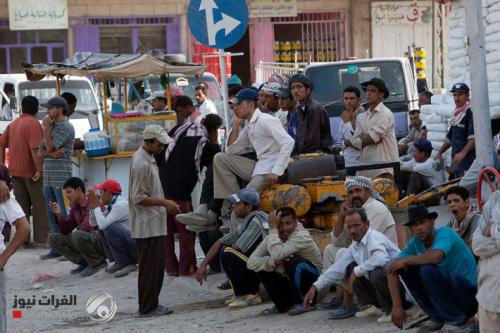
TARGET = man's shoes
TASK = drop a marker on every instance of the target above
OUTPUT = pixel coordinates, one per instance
(333, 304)
(344, 312)
(269, 311)
(230, 300)
(469, 327)
(201, 228)
(160, 310)
(384, 319)
(51, 255)
(224, 285)
(429, 326)
(125, 270)
(298, 309)
(81, 267)
(201, 216)
(370, 311)
(89, 271)
(113, 268)
(244, 301)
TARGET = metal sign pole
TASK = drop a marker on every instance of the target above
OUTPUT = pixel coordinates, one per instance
(225, 93)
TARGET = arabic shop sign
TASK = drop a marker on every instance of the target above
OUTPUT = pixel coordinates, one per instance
(272, 8)
(38, 15)
(401, 12)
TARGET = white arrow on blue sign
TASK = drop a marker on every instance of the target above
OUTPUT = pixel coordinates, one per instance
(218, 23)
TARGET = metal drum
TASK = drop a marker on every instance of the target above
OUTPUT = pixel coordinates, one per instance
(320, 165)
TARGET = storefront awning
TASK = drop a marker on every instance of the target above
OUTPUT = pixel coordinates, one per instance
(109, 66)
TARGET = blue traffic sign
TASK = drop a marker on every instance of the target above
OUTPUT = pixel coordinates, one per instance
(218, 23)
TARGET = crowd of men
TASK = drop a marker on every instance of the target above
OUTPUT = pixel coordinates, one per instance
(434, 274)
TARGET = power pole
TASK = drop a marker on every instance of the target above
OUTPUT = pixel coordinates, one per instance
(479, 82)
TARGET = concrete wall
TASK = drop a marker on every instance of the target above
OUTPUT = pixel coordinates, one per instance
(361, 28)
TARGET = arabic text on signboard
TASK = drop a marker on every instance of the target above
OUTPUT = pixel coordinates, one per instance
(272, 8)
(392, 12)
(38, 15)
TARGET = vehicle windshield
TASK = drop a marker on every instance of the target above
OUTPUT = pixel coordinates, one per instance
(188, 83)
(330, 81)
(44, 90)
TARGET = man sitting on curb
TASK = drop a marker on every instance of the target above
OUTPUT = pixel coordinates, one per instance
(465, 219)
(78, 241)
(237, 246)
(287, 262)
(359, 194)
(439, 271)
(363, 266)
(418, 173)
(114, 227)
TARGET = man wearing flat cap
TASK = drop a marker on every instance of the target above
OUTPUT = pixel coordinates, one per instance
(375, 136)
(148, 213)
(308, 123)
(460, 136)
(56, 150)
(270, 91)
(418, 173)
(440, 272)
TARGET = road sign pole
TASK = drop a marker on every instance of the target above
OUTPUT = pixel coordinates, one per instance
(479, 85)
(223, 82)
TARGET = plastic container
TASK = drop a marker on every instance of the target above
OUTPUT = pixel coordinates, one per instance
(96, 143)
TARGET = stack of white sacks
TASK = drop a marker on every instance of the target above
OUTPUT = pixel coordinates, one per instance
(439, 112)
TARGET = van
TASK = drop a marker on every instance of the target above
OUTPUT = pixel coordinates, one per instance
(330, 80)
(81, 87)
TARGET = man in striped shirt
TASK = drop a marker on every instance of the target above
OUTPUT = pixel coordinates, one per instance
(56, 150)
(237, 246)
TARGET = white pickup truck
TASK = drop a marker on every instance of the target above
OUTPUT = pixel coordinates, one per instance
(81, 87)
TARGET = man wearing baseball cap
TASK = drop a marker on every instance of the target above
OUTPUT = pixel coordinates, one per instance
(308, 123)
(236, 247)
(56, 151)
(440, 272)
(265, 134)
(270, 91)
(148, 216)
(114, 227)
(460, 136)
(418, 173)
(158, 101)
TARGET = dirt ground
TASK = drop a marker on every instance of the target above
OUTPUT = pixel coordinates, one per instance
(196, 308)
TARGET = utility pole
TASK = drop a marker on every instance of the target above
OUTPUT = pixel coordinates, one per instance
(479, 82)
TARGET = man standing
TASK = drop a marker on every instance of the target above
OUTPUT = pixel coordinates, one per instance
(265, 134)
(363, 265)
(148, 215)
(287, 262)
(418, 174)
(270, 91)
(308, 124)
(460, 136)
(205, 105)
(78, 240)
(417, 131)
(23, 137)
(486, 245)
(158, 101)
(56, 150)
(10, 212)
(352, 104)
(439, 271)
(374, 135)
(464, 219)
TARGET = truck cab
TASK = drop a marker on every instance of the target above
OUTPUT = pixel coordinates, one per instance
(330, 80)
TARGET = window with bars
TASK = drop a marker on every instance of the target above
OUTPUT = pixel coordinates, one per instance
(29, 46)
(314, 37)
